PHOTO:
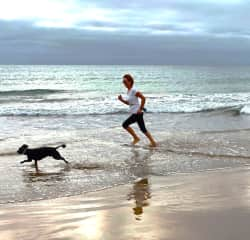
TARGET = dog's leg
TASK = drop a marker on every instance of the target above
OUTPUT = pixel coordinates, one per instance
(36, 165)
(62, 158)
(24, 161)
(57, 156)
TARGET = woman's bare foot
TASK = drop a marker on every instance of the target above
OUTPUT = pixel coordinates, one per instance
(150, 138)
(136, 140)
(153, 144)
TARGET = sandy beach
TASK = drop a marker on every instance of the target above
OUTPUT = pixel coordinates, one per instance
(206, 205)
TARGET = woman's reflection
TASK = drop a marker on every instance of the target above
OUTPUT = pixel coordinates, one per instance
(141, 194)
(141, 188)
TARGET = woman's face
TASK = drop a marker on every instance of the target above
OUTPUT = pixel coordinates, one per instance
(126, 83)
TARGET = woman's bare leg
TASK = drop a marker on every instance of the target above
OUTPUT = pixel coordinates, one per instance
(133, 134)
(150, 138)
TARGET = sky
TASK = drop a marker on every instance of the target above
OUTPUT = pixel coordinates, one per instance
(193, 32)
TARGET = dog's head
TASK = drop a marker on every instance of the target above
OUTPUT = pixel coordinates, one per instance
(22, 149)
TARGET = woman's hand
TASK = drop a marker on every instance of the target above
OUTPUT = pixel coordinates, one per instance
(120, 98)
(139, 111)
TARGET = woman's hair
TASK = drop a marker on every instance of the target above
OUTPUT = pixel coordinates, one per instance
(129, 78)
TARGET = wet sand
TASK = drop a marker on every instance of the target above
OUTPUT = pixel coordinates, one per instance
(206, 205)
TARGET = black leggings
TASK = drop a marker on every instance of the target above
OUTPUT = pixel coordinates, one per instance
(135, 118)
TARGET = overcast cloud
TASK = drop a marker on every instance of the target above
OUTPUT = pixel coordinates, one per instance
(124, 32)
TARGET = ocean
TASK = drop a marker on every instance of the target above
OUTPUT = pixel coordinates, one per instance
(200, 116)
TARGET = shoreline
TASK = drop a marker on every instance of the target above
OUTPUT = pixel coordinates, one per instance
(123, 185)
(183, 206)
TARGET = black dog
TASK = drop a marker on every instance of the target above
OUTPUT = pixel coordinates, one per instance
(37, 154)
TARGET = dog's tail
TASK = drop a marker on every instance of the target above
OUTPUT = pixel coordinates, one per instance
(63, 146)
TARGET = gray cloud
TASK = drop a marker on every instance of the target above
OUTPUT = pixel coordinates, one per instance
(20, 43)
(210, 16)
(199, 32)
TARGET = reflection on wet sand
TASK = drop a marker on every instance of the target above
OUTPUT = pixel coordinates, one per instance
(34, 174)
(141, 189)
(141, 194)
(184, 207)
(40, 176)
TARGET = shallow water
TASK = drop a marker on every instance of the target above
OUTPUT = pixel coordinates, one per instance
(101, 157)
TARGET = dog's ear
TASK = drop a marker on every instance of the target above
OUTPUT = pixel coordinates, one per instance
(22, 149)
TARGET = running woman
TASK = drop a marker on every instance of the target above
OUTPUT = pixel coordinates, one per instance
(136, 110)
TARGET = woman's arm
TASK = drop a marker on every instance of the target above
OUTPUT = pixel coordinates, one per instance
(122, 100)
(143, 100)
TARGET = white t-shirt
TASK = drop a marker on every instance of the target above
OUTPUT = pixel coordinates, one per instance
(133, 101)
